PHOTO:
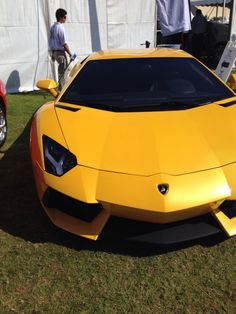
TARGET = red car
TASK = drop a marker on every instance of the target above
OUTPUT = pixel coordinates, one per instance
(3, 112)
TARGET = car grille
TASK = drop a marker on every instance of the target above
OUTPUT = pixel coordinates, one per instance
(71, 206)
(184, 230)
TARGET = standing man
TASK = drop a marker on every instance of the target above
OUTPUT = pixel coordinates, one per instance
(199, 29)
(58, 45)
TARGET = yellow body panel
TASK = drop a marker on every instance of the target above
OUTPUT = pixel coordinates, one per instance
(149, 143)
(138, 53)
(134, 195)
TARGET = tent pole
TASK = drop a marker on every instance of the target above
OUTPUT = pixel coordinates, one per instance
(223, 12)
(189, 5)
(232, 21)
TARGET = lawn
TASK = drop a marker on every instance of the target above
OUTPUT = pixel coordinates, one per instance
(46, 270)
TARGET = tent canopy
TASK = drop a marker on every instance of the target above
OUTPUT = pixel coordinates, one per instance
(208, 2)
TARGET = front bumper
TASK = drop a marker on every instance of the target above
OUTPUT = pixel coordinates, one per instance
(88, 220)
(84, 208)
(171, 233)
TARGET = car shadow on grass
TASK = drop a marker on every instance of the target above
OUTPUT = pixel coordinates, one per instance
(21, 214)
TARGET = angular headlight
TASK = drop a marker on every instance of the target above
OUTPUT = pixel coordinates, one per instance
(57, 159)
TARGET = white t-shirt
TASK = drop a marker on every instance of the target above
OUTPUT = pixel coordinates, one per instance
(57, 37)
(174, 16)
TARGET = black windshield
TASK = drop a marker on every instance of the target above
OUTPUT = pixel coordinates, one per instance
(145, 84)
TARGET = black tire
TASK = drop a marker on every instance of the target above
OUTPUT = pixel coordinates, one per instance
(3, 125)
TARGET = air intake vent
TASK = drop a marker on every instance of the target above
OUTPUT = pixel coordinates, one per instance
(71, 206)
(229, 208)
(67, 108)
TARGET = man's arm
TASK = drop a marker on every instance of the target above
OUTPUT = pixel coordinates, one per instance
(67, 49)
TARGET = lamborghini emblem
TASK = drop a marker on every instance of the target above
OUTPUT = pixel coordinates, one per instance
(163, 188)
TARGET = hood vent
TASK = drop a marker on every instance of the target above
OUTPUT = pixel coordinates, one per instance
(67, 108)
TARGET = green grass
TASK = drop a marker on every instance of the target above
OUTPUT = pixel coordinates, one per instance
(46, 270)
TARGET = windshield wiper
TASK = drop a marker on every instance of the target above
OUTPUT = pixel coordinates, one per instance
(120, 104)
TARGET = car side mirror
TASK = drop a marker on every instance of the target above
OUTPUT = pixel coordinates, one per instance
(49, 86)
(232, 81)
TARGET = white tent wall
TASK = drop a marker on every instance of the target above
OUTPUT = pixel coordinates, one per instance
(130, 23)
(91, 25)
(19, 35)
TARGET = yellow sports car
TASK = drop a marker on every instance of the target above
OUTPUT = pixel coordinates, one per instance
(146, 135)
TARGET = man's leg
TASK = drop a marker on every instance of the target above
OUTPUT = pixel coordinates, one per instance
(62, 65)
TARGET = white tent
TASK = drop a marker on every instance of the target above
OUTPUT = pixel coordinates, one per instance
(91, 25)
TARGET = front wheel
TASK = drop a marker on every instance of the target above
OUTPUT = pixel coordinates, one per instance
(3, 126)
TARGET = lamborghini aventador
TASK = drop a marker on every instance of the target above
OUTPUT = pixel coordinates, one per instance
(148, 136)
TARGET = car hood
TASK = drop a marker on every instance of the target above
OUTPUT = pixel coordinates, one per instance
(147, 143)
